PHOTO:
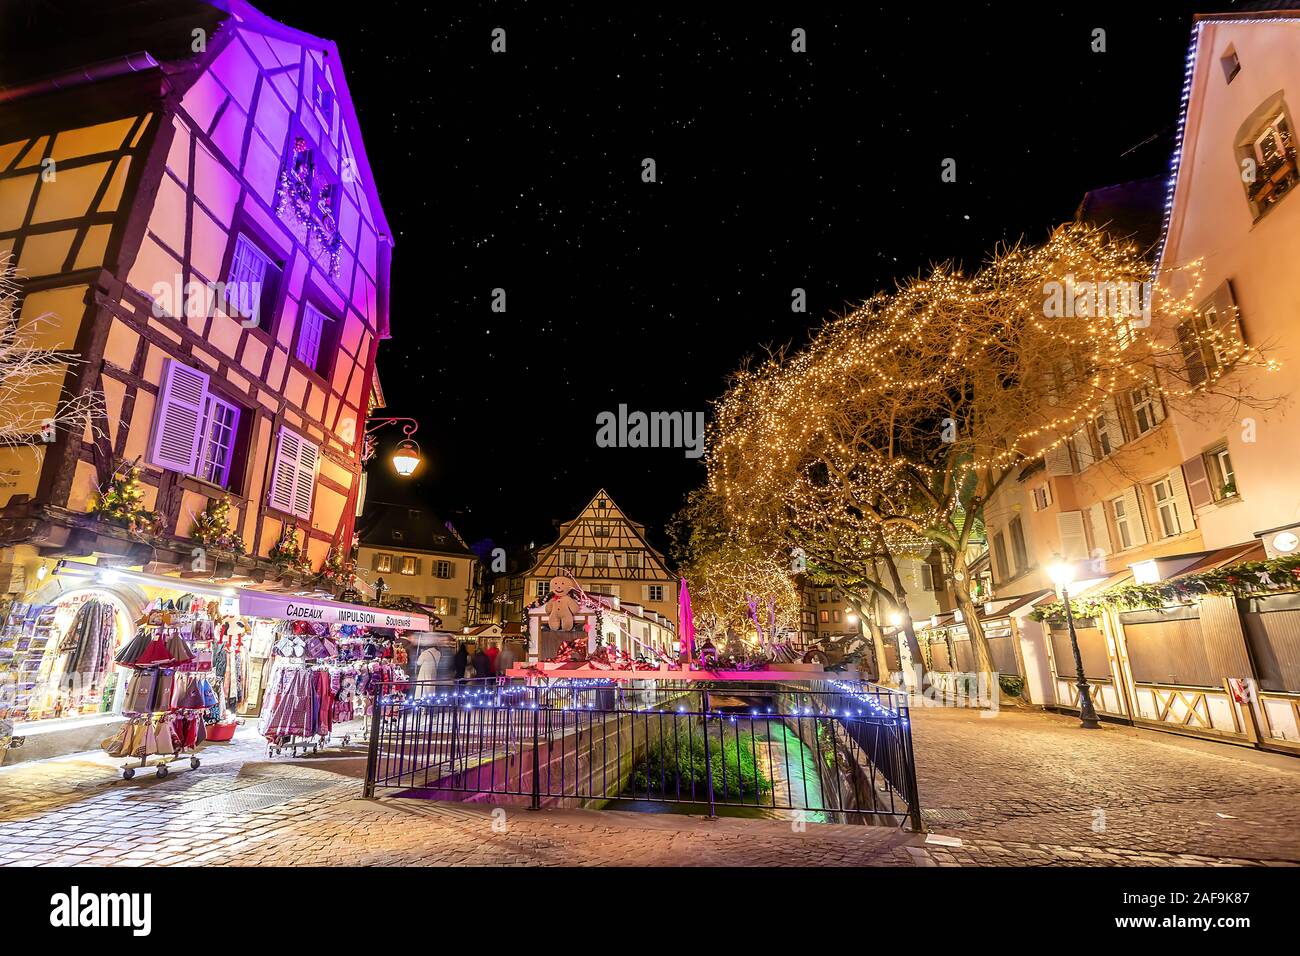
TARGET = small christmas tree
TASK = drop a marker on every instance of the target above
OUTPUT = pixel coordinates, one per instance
(122, 502)
(287, 553)
(213, 530)
(337, 569)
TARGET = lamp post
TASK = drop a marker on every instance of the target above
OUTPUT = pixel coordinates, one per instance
(407, 456)
(1062, 574)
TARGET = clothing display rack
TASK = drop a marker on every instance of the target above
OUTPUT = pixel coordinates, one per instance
(169, 696)
(324, 677)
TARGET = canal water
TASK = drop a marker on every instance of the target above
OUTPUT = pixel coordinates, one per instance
(782, 758)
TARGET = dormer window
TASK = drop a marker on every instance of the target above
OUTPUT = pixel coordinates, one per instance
(323, 98)
(310, 194)
(1266, 152)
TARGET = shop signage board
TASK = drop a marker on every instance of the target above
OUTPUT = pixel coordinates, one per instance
(287, 607)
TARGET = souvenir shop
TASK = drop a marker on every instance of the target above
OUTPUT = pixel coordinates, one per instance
(146, 666)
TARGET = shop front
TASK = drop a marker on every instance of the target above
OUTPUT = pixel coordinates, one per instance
(137, 662)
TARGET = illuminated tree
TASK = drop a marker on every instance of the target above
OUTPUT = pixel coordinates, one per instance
(887, 434)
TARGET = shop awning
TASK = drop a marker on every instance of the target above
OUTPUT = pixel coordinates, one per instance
(280, 605)
(291, 607)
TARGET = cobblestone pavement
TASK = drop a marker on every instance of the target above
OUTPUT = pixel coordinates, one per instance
(1016, 789)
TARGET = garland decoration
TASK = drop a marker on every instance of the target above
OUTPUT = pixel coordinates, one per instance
(212, 528)
(122, 502)
(312, 206)
(1245, 579)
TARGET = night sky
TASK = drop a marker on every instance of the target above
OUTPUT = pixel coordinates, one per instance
(776, 170)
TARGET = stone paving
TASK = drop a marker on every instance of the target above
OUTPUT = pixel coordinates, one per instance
(1021, 788)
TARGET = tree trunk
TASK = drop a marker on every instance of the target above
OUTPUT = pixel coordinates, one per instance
(970, 617)
(909, 655)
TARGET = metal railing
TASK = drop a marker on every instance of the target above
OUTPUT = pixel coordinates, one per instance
(837, 751)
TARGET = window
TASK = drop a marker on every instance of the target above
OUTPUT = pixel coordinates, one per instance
(1000, 556)
(1272, 149)
(601, 504)
(824, 616)
(1231, 64)
(600, 531)
(293, 479)
(1223, 479)
(1148, 412)
(655, 592)
(323, 98)
(384, 563)
(250, 288)
(1042, 496)
(217, 448)
(442, 569)
(823, 597)
(926, 573)
(397, 535)
(600, 559)
(569, 558)
(1018, 549)
(543, 589)
(836, 617)
(1120, 510)
(447, 605)
(1166, 508)
(605, 590)
(633, 559)
(314, 331)
(410, 565)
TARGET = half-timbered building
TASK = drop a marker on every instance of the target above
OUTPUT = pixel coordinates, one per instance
(188, 199)
(608, 554)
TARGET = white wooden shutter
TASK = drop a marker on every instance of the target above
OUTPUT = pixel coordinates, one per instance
(1058, 460)
(284, 473)
(178, 420)
(304, 487)
(1198, 481)
(1074, 543)
(1186, 522)
(1136, 520)
(1082, 448)
(1110, 425)
(1100, 530)
(1227, 318)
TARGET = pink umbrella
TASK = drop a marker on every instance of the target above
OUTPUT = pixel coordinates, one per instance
(686, 622)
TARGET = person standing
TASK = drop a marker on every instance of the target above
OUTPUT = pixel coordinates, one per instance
(506, 659)
(461, 661)
(482, 663)
(493, 652)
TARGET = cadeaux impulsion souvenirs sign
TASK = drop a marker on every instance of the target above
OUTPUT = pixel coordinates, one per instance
(289, 608)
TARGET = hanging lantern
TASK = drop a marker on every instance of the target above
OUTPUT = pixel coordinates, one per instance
(406, 458)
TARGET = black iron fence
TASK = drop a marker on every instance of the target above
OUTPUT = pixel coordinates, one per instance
(831, 750)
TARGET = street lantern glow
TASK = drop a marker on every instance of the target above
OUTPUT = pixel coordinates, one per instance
(1061, 573)
(407, 458)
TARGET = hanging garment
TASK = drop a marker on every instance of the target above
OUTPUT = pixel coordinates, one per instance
(289, 710)
(131, 651)
(90, 640)
(156, 652)
(189, 692)
(140, 692)
(179, 650)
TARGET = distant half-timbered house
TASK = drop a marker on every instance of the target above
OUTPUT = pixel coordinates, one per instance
(608, 554)
(189, 200)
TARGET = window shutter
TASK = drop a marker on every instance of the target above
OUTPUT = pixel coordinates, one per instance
(1227, 319)
(1186, 522)
(1189, 342)
(1074, 543)
(178, 420)
(419, 565)
(452, 605)
(1110, 424)
(1136, 518)
(1100, 531)
(1198, 482)
(1082, 448)
(305, 481)
(1058, 460)
(285, 471)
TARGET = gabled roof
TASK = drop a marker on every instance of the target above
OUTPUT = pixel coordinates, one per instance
(91, 33)
(408, 528)
(616, 514)
(1261, 13)
(1127, 210)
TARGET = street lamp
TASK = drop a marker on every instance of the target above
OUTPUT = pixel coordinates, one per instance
(1062, 575)
(406, 458)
